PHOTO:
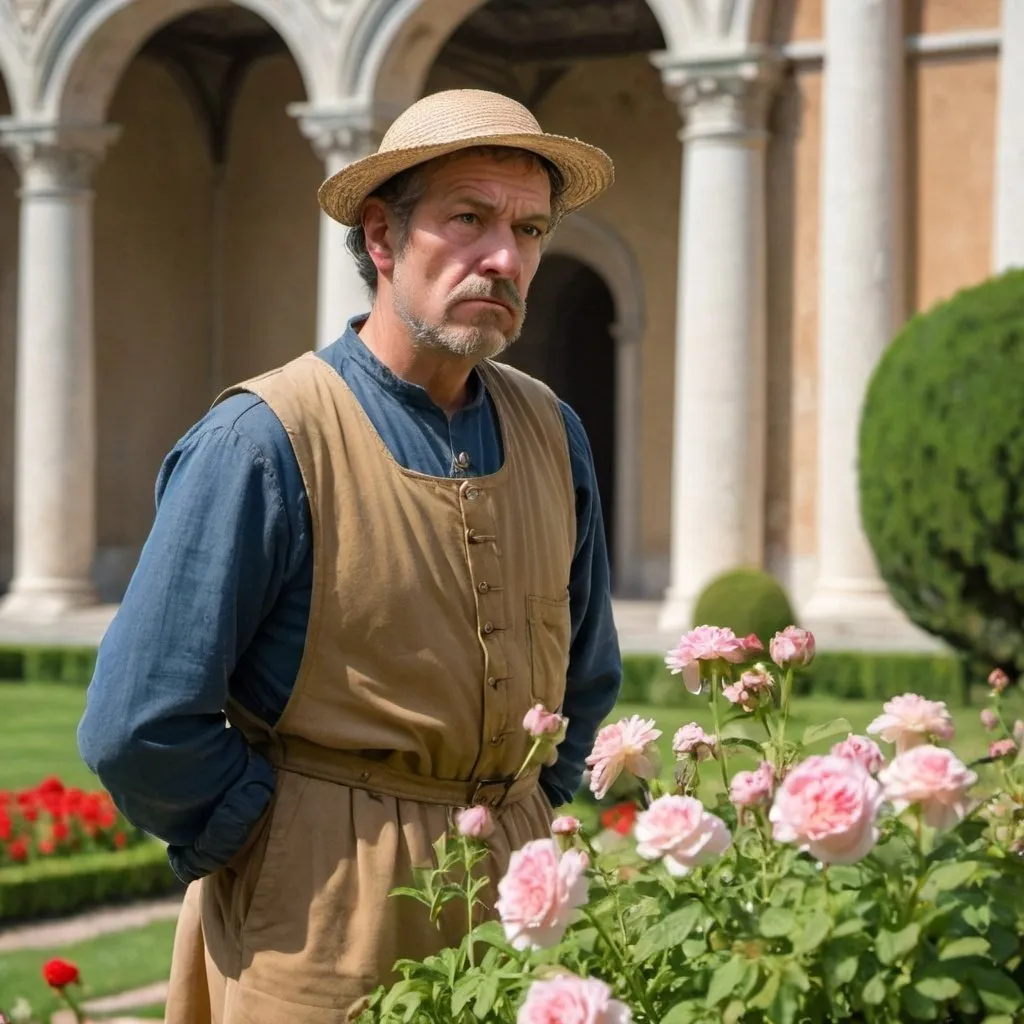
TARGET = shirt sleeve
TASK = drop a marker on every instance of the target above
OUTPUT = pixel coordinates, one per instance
(154, 729)
(594, 675)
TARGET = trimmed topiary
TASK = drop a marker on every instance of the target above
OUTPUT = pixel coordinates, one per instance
(942, 472)
(747, 601)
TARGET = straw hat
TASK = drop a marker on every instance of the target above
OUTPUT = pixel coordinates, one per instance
(444, 122)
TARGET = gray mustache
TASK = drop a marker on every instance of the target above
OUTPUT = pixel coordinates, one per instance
(499, 289)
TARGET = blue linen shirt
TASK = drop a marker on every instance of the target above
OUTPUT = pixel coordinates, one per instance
(219, 601)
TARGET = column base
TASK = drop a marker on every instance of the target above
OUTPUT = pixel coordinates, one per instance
(855, 615)
(46, 600)
(676, 615)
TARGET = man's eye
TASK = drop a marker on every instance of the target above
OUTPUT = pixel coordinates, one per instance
(466, 218)
(532, 230)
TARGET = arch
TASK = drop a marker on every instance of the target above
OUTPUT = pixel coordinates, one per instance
(599, 246)
(13, 75)
(87, 46)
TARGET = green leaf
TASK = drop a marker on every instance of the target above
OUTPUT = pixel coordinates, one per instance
(998, 991)
(776, 922)
(971, 945)
(841, 971)
(813, 933)
(785, 1006)
(939, 987)
(948, 876)
(998, 1018)
(669, 932)
(765, 996)
(727, 979)
(894, 946)
(874, 991)
(918, 1006)
(813, 733)
(851, 926)
(684, 1013)
(743, 741)
(464, 992)
(733, 1013)
(486, 996)
(693, 948)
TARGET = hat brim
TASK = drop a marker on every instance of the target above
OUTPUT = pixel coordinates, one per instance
(587, 171)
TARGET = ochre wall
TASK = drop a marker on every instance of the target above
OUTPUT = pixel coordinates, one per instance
(8, 344)
(271, 227)
(932, 16)
(153, 301)
(951, 123)
(204, 275)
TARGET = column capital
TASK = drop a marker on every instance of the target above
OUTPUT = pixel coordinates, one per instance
(56, 158)
(340, 133)
(721, 96)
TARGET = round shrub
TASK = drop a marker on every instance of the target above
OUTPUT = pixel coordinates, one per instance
(942, 472)
(747, 601)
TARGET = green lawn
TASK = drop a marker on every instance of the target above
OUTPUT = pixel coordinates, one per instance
(109, 964)
(39, 725)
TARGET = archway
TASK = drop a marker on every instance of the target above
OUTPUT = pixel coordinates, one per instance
(205, 250)
(8, 345)
(568, 341)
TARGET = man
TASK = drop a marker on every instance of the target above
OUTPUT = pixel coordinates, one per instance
(373, 560)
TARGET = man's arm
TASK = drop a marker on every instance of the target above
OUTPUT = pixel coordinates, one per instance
(595, 665)
(154, 725)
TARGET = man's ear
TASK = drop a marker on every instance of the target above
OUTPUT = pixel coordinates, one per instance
(379, 237)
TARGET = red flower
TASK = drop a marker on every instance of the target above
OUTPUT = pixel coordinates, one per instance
(18, 850)
(120, 840)
(620, 818)
(5, 826)
(59, 832)
(46, 847)
(51, 785)
(58, 973)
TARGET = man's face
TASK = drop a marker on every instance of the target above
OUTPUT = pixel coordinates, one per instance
(472, 248)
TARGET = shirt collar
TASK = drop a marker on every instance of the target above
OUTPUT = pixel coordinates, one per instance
(353, 348)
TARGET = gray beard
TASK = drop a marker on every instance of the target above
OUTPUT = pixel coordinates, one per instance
(465, 342)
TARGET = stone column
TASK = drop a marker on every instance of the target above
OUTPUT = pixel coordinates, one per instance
(55, 443)
(862, 303)
(338, 139)
(718, 439)
(1008, 229)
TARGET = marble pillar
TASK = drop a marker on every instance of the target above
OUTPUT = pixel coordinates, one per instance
(1008, 228)
(862, 305)
(55, 424)
(718, 441)
(338, 139)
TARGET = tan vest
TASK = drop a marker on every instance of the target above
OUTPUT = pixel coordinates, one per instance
(439, 615)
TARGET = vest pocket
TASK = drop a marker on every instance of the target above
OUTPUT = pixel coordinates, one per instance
(549, 631)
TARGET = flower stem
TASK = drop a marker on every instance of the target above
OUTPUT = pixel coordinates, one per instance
(529, 757)
(469, 902)
(627, 969)
(787, 688)
(723, 757)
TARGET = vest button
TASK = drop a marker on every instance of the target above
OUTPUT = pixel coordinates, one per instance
(492, 682)
(488, 627)
(472, 493)
(495, 740)
(462, 460)
(483, 587)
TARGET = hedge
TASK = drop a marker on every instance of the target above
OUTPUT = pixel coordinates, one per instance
(39, 664)
(843, 674)
(53, 888)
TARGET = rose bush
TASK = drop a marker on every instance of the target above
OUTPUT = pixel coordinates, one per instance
(55, 820)
(869, 881)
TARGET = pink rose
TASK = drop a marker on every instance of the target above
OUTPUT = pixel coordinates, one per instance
(750, 689)
(792, 648)
(933, 778)
(911, 720)
(678, 831)
(707, 643)
(1002, 748)
(751, 789)
(539, 722)
(828, 806)
(989, 719)
(566, 826)
(691, 740)
(566, 999)
(861, 749)
(540, 893)
(624, 745)
(474, 822)
(998, 680)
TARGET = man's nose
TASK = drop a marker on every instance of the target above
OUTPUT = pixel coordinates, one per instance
(502, 258)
